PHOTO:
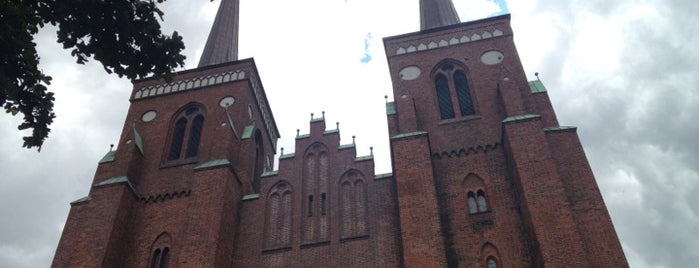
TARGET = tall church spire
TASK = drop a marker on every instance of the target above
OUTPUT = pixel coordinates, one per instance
(222, 45)
(437, 13)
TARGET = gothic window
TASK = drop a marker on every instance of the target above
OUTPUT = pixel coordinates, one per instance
(278, 216)
(446, 108)
(450, 81)
(310, 206)
(463, 93)
(161, 252)
(188, 127)
(353, 208)
(472, 206)
(315, 186)
(482, 203)
(477, 202)
(490, 256)
(491, 263)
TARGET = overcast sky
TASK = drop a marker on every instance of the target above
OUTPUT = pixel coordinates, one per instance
(625, 72)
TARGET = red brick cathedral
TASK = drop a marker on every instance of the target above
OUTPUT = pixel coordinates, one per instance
(483, 175)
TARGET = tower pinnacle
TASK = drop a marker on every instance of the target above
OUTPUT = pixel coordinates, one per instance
(437, 13)
(222, 44)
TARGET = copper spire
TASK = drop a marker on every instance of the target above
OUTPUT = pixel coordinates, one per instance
(222, 44)
(437, 13)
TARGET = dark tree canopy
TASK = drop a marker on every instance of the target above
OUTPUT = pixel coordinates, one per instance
(124, 35)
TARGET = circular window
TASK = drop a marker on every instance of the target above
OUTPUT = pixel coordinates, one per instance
(492, 57)
(149, 116)
(226, 102)
(409, 73)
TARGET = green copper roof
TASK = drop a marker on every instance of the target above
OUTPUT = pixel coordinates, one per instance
(109, 157)
(81, 200)
(520, 118)
(251, 197)
(247, 133)
(137, 139)
(113, 180)
(390, 108)
(383, 176)
(537, 86)
(410, 134)
(213, 164)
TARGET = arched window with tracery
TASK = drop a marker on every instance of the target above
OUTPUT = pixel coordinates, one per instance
(186, 134)
(451, 81)
(161, 251)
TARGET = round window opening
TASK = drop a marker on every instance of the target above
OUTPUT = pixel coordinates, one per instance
(492, 57)
(149, 116)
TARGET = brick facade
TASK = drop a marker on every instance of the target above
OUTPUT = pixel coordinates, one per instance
(494, 180)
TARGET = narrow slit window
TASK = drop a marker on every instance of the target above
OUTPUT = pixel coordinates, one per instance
(310, 206)
(322, 204)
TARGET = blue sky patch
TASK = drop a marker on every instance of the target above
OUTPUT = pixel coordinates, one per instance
(503, 7)
(367, 54)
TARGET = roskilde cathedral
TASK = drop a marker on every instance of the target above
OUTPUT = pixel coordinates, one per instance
(483, 175)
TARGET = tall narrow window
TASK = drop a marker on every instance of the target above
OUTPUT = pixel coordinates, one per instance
(451, 80)
(194, 136)
(278, 216)
(472, 206)
(165, 258)
(188, 127)
(446, 108)
(177, 138)
(160, 258)
(156, 259)
(322, 203)
(310, 205)
(482, 203)
(463, 93)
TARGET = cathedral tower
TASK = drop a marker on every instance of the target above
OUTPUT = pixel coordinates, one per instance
(483, 174)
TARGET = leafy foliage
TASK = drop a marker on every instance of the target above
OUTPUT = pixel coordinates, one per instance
(124, 35)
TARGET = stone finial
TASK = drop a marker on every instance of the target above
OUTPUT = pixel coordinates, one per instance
(353, 139)
(111, 147)
(371, 150)
(298, 132)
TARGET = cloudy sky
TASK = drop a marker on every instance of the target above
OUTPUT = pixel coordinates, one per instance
(625, 72)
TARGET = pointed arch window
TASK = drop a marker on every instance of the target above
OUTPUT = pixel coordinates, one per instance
(186, 134)
(353, 206)
(451, 81)
(477, 202)
(160, 258)
(491, 263)
(278, 216)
